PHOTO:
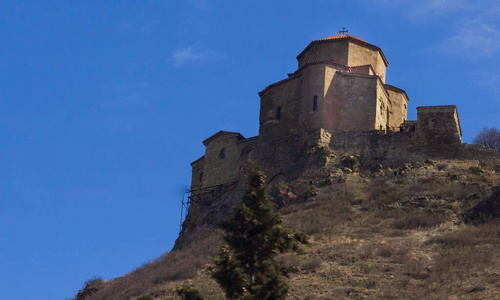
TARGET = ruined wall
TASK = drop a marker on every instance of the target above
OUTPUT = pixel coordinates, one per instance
(361, 55)
(336, 51)
(218, 169)
(284, 97)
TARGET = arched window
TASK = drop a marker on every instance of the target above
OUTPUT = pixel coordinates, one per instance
(278, 113)
(201, 176)
(222, 154)
(315, 103)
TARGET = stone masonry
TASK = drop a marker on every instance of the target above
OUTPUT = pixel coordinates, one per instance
(337, 98)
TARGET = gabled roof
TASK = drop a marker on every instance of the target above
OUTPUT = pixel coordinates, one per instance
(345, 37)
(398, 90)
(198, 160)
(237, 134)
(353, 69)
(299, 70)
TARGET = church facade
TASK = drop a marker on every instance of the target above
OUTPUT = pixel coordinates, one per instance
(337, 97)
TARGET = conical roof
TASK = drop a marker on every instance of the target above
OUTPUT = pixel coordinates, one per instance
(342, 36)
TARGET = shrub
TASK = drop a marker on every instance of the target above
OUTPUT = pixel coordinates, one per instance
(384, 251)
(485, 211)
(470, 237)
(459, 265)
(187, 292)
(90, 287)
(476, 170)
(92, 282)
(311, 264)
(442, 166)
(488, 138)
(446, 251)
(351, 161)
(417, 220)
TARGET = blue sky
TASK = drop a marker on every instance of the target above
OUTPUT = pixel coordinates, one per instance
(103, 105)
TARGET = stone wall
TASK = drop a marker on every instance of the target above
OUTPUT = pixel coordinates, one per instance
(350, 102)
(437, 134)
(221, 163)
(399, 104)
(361, 55)
(363, 70)
(197, 173)
(284, 97)
(313, 87)
(336, 51)
(337, 97)
(439, 125)
(344, 52)
(383, 108)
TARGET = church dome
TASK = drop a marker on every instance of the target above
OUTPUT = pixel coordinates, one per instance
(346, 50)
(342, 36)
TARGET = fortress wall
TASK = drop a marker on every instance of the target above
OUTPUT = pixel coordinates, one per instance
(360, 55)
(377, 145)
(486, 156)
(219, 170)
(406, 146)
(288, 155)
(325, 51)
(287, 97)
(393, 146)
(438, 125)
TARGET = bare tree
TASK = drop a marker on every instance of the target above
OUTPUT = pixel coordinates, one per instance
(488, 137)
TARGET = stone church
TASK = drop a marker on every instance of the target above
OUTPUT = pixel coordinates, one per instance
(337, 97)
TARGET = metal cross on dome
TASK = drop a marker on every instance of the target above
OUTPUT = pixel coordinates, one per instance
(343, 30)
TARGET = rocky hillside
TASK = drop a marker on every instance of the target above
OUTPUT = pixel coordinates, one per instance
(421, 230)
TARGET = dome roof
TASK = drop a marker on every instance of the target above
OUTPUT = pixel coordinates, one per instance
(342, 36)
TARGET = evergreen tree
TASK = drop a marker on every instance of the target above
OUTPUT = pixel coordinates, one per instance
(187, 292)
(246, 266)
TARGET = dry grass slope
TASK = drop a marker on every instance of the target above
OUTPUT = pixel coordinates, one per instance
(393, 234)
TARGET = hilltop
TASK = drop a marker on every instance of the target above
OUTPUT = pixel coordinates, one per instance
(403, 232)
(396, 208)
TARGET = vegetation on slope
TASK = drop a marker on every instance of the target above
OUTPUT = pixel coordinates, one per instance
(419, 231)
